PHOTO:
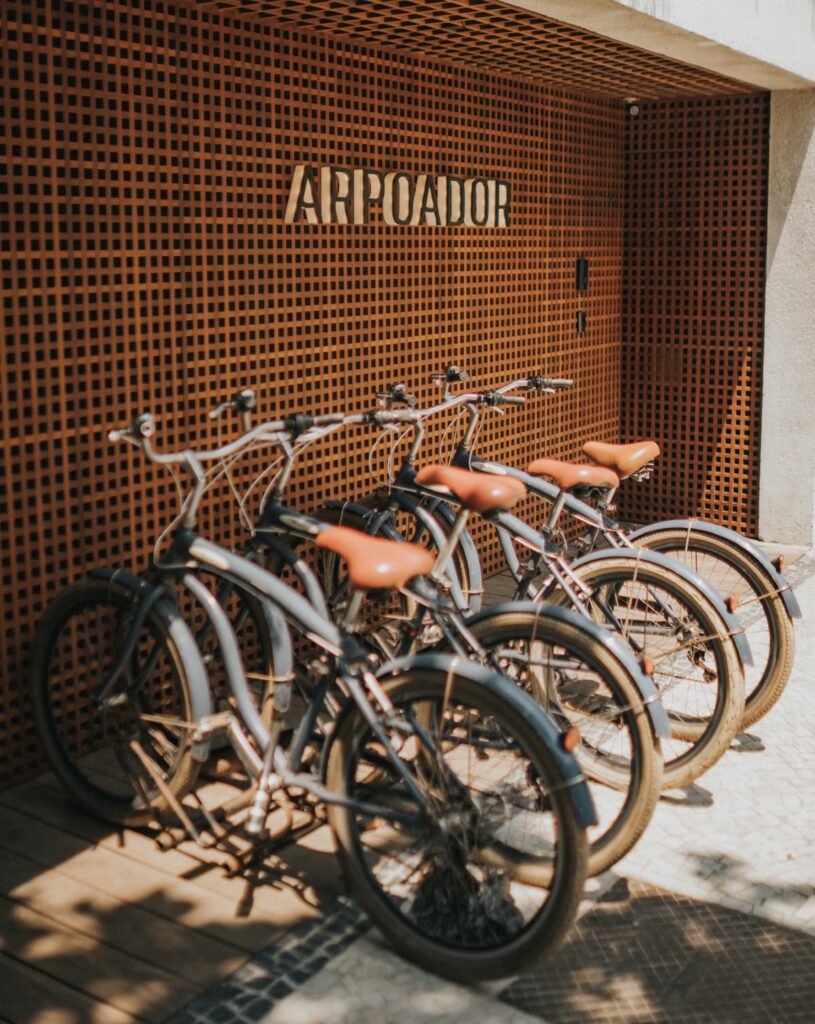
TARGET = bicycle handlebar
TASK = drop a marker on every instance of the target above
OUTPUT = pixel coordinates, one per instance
(537, 383)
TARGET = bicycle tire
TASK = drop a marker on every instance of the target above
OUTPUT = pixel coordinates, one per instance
(767, 679)
(421, 536)
(709, 735)
(64, 716)
(613, 697)
(470, 954)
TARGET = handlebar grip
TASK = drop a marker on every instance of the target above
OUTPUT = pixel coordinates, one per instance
(451, 375)
(380, 419)
(245, 401)
(493, 398)
(538, 383)
(298, 423)
(142, 427)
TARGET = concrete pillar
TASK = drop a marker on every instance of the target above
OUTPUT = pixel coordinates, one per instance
(787, 474)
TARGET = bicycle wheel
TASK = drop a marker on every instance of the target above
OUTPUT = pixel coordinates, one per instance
(761, 610)
(580, 682)
(110, 757)
(381, 619)
(491, 873)
(257, 648)
(696, 668)
(382, 630)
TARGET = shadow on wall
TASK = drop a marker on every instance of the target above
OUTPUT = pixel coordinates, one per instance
(792, 133)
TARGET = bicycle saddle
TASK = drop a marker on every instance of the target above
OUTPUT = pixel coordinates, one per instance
(374, 563)
(570, 474)
(478, 492)
(624, 459)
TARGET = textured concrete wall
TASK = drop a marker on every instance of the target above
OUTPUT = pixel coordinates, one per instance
(768, 43)
(787, 486)
(777, 32)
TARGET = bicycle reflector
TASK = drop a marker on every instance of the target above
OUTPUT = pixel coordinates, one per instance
(733, 602)
(570, 739)
(648, 665)
(779, 564)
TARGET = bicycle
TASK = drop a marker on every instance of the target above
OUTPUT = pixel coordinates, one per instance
(669, 615)
(740, 572)
(459, 813)
(579, 672)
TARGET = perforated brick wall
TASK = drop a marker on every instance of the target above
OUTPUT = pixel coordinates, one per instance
(695, 249)
(147, 152)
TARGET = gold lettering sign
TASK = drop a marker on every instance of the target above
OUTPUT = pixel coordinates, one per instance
(342, 195)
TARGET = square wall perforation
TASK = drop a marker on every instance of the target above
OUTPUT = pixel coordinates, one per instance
(498, 37)
(695, 248)
(146, 155)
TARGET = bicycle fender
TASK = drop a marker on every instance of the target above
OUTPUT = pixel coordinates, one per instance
(469, 550)
(368, 514)
(524, 704)
(431, 524)
(289, 556)
(230, 652)
(744, 544)
(602, 636)
(696, 581)
(197, 678)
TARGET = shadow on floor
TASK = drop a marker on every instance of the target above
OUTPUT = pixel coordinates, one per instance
(650, 957)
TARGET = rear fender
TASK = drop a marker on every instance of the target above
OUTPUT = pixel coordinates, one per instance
(385, 529)
(468, 550)
(746, 546)
(619, 650)
(694, 579)
(506, 690)
(431, 524)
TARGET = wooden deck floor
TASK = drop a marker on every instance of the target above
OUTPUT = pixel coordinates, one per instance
(100, 926)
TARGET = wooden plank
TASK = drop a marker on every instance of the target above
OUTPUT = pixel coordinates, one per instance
(90, 966)
(30, 997)
(187, 954)
(282, 902)
(101, 868)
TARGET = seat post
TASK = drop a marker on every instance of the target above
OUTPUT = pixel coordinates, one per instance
(449, 546)
(352, 610)
(555, 511)
(608, 497)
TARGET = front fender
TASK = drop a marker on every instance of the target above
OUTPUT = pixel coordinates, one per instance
(619, 650)
(734, 627)
(468, 550)
(385, 529)
(197, 678)
(521, 702)
(746, 546)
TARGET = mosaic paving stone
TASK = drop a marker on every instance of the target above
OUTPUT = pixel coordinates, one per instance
(651, 957)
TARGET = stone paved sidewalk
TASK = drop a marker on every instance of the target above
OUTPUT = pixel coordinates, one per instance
(709, 919)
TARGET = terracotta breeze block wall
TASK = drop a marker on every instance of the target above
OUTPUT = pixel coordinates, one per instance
(695, 250)
(144, 263)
